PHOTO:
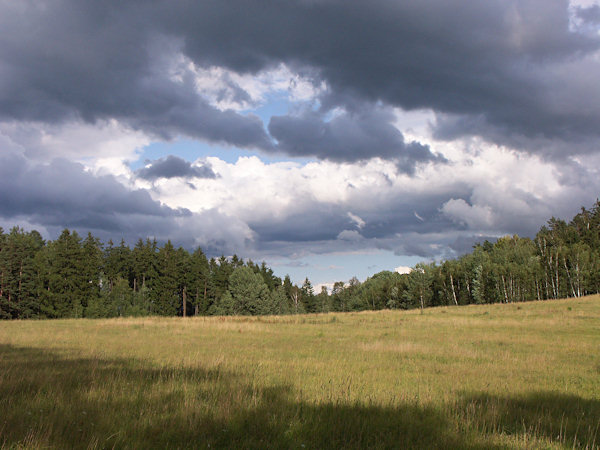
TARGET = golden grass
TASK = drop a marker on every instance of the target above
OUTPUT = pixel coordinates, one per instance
(493, 376)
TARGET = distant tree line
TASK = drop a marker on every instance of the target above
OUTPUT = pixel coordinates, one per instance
(81, 277)
(563, 260)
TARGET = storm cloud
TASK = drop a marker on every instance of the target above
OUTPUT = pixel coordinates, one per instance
(348, 137)
(173, 166)
(63, 194)
(589, 15)
(518, 68)
(413, 127)
(70, 61)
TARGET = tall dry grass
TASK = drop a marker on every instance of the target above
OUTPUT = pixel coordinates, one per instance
(519, 376)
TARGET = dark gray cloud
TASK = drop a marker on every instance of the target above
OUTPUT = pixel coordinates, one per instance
(348, 137)
(433, 222)
(516, 66)
(63, 194)
(589, 15)
(172, 167)
(80, 60)
(517, 72)
(313, 222)
(389, 223)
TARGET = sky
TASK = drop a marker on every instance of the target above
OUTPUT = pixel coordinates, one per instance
(329, 138)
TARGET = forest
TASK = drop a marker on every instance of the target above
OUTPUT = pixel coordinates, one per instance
(74, 277)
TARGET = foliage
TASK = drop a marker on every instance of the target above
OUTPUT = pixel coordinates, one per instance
(247, 294)
(74, 277)
(563, 260)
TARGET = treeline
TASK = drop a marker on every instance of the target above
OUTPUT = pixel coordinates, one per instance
(563, 260)
(75, 277)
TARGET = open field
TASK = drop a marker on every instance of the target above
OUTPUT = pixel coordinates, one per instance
(521, 375)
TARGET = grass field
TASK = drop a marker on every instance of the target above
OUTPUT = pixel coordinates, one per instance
(497, 376)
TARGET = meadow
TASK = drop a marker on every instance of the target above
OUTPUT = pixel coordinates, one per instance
(522, 375)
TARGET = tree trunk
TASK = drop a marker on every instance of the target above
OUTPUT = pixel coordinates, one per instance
(20, 279)
(569, 276)
(504, 288)
(295, 299)
(557, 277)
(184, 303)
(453, 291)
(578, 279)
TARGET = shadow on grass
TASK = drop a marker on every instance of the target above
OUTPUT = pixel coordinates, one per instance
(49, 400)
(565, 419)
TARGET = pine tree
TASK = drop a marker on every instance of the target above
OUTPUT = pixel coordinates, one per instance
(118, 262)
(165, 289)
(4, 304)
(249, 293)
(322, 301)
(18, 297)
(280, 301)
(91, 269)
(308, 296)
(144, 263)
(184, 279)
(199, 274)
(65, 294)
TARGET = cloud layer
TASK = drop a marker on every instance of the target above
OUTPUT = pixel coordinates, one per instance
(513, 71)
(413, 127)
(63, 194)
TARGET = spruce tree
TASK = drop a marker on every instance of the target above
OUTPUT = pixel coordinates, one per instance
(165, 289)
(308, 296)
(198, 282)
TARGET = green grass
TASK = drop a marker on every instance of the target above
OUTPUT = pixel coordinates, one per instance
(497, 376)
